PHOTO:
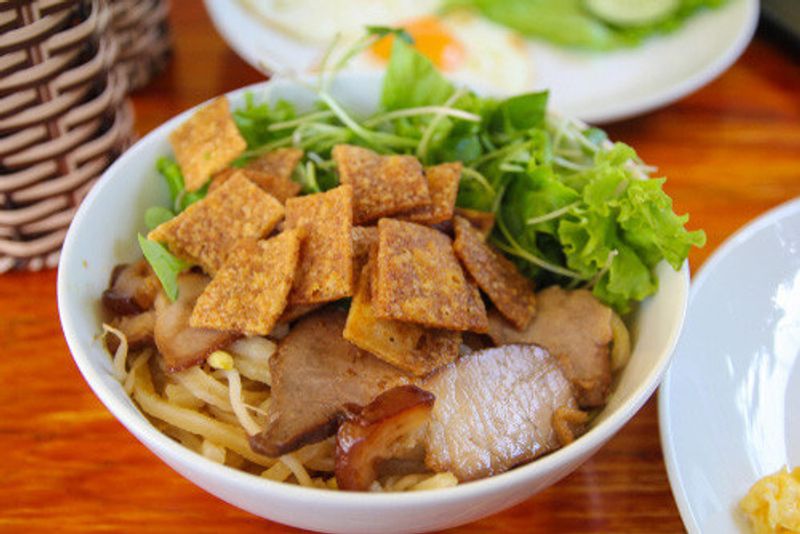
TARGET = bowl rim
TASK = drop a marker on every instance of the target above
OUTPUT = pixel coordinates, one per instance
(136, 423)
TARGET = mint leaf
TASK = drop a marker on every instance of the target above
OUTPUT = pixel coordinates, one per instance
(412, 80)
(166, 266)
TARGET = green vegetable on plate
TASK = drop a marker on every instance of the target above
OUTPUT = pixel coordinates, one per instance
(588, 24)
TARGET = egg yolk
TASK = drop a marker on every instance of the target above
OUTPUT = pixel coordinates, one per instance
(432, 39)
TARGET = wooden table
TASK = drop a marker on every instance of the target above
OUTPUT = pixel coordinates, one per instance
(731, 151)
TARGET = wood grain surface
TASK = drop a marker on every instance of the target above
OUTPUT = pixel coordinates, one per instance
(731, 151)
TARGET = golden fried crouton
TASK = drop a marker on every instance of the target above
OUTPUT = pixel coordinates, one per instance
(279, 163)
(209, 228)
(482, 220)
(509, 290)
(408, 346)
(418, 279)
(382, 185)
(325, 272)
(250, 291)
(206, 143)
(277, 187)
(295, 311)
(365, 238)
(443, 183)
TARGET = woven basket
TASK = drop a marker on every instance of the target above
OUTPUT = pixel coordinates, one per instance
(141, 30)
(63, 119)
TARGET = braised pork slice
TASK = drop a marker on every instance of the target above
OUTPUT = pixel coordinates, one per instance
(494, 410)
(316, 375)
(181, 345)
(132, 290)
(575, 328)
(388, 428)
(138, 330)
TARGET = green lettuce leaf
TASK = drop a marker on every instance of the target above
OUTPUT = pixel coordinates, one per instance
(412, 80)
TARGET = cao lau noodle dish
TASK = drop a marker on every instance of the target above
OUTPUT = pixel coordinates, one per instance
(431, 295)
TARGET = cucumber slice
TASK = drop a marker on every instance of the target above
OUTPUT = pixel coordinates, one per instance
(632, 13)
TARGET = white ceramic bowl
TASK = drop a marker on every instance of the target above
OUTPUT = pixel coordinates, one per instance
(103, 235)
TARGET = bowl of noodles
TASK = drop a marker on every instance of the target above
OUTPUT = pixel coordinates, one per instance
(206, 418)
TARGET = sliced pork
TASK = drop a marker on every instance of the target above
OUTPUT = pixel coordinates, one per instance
(316, 376)
(181, 345)
(494, 410)
(574, 327)
(133, 289)
(386, 429)
(138, 330)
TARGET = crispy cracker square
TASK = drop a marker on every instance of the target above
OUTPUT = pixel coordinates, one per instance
(250, 291)
(443, 183)
(279, 188)
(325, 272)
(418, 279)
(382, 185)
(208, 229)
(408, 346)
(279, 163)
(365, 238)
(509, 290)
(482, 220)
(206, 143)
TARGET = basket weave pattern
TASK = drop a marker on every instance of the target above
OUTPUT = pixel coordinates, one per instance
(63, 119)
(142, 32)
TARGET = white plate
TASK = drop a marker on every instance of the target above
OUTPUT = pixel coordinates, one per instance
(595, 87)
(729, 407)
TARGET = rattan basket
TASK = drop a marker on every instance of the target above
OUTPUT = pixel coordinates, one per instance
(141, 30)
(63, 119)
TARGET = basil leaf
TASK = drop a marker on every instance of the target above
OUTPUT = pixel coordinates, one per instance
(172, 174)
(166, 266)
(156, 215)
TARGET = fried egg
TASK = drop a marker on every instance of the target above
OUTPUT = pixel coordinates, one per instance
(462, 45)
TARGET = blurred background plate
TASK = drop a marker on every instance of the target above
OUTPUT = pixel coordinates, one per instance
(728, 408)
(593, 86)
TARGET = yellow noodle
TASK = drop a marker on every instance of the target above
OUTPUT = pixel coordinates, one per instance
(121, 354)
(187, 439)
(403, 483)
(254, 370)
(213, 452)
(178, 395)
(222, 415)
(139, 361)
(278, 472)
(225, 435)
(297, 468)
(235, 397)
(621, 348)
(204, 387)
(439, 480)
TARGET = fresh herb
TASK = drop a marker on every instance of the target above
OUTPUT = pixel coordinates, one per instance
(166, 266)
(156, 215)
(571, 208)
(173, 176)
(582, 23)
